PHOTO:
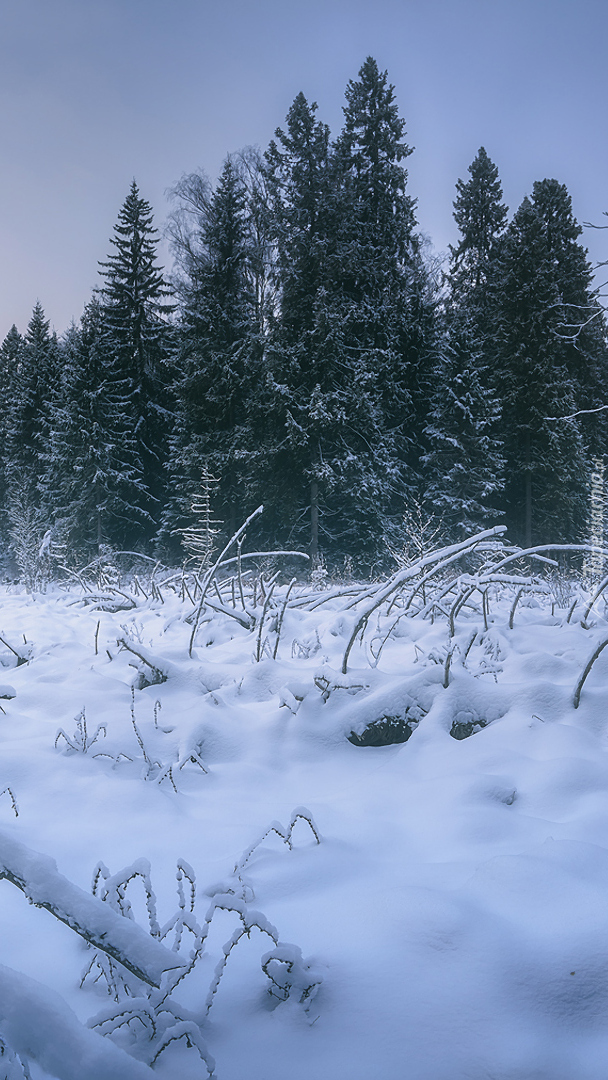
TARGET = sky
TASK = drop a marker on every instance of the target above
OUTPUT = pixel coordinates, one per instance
(94, 93)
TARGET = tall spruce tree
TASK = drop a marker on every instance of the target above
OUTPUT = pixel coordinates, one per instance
(385, 299)
(339, 374)
(540, 377)
(218, 363)
(481, 217)
(298, 372)
(464, 464)
(134, 305)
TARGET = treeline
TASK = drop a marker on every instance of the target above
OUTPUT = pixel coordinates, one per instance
(308, 354)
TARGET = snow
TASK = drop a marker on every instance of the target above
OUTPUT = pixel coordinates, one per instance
(435, 909)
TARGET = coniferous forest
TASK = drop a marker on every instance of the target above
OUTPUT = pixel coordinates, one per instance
(308, 353)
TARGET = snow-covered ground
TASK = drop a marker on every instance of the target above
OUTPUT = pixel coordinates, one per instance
(453, 918)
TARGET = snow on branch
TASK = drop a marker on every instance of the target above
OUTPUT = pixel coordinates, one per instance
(581, 412)
(39, 1025)
(37, 877)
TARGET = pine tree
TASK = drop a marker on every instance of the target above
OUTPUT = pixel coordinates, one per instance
(134, 304)
(580, 323)
(546, 462)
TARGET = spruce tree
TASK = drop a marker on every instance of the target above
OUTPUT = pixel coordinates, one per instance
(11, 358)
(88, 476)
(343, 349)
(463, 466)
(539, 377)
(134, 305)
(297, 169)
(381, 292)
(34, 386)
(580, 322)
(217, 366)
(481, 217)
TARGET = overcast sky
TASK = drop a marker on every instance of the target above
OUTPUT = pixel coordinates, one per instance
(96, 92)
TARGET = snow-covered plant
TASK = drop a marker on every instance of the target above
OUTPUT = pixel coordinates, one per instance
(198, 539)
(9, 791)
(420, 530)
(153, 1017)
(80, 740)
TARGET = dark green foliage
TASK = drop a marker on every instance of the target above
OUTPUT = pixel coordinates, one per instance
(34, 381)
(135, 343)
(350, 338)
(481, 217)
(464, 465)
(11, 357)
(314, 364)
(539, 373)
(89, 479)
(218, 364)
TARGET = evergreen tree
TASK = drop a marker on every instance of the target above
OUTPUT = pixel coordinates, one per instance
(218, 361)
(384, 298)
(580, 324)
(343, 349)
(481, 217)
(11, 357)
(134, 305)
(546, 463)
(34, 384)
(88, 476)
(463, 466)
(297, 164)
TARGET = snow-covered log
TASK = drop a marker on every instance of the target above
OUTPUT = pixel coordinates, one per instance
(122, 939)
(41, 1027)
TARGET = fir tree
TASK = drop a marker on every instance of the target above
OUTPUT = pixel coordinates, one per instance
(546, 463)
(34, 386)
(383, 300)
(89, 474)
(463, 466)
(350, 285)
(481, 217)
(297, 165)
(134, 304)
(580, 324)
(218, 361)
(11, 358)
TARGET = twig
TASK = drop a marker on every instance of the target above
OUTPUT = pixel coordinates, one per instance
(581, 682)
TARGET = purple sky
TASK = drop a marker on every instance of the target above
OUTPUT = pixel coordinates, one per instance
(96, 92)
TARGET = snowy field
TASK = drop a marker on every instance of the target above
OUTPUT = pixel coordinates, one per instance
(439, 909)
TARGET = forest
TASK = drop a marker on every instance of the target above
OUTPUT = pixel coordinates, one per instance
(308, 352)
